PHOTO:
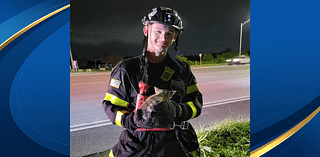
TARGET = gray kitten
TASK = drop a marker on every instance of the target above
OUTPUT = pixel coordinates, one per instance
(161, 95)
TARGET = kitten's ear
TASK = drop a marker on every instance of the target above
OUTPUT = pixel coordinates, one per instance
(172, 92)
(157, 90)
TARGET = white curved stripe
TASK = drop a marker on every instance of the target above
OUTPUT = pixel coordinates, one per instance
(16, 35)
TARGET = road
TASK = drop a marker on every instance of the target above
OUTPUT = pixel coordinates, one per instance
(226, 95)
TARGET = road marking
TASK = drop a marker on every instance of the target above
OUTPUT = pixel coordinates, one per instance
(84, 124)
(90, 125)
(107, 122)
(226, 101)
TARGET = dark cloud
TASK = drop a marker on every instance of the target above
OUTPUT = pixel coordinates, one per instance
(210, 26)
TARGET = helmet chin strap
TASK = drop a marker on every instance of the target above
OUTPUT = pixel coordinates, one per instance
(176, 45)
(145, 45)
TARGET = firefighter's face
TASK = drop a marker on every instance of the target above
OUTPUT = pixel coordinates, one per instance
(160, 37)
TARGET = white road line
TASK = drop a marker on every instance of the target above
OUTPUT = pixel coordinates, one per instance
(222, 103)
(227, 100)
(91, 125)
(84, 124)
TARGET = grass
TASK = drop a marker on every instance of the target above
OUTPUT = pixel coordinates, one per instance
(225, 139)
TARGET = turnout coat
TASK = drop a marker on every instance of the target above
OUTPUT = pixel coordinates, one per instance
(120, 101)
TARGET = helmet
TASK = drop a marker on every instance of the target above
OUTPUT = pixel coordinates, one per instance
(164, 15)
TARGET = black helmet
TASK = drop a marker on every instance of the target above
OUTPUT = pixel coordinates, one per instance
(164, 15)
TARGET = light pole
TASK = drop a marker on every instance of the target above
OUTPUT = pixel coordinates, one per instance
(241, 36)
(72, 62)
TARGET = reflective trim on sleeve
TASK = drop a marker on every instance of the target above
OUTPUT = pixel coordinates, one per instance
(118, 117)
(115, 100)
(193, 108)
(111, 153)
(192, 88)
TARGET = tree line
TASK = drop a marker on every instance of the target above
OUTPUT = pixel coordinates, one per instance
(209, 58)
(103, 61)
(106, 61)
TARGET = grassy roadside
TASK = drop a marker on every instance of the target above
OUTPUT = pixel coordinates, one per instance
(225, 139)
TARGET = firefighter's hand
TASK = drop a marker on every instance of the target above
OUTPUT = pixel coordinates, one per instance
(164, 113)
(143, 119)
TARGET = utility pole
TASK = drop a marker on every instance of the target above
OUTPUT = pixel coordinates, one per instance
(200, 55)
(72, 62)
(241, 36)
(72, 65)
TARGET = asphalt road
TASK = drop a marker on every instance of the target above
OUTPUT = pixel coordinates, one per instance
(226, 95)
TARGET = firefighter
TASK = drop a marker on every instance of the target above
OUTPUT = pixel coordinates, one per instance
(165, 131)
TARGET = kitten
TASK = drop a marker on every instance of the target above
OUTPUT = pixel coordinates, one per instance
(161, 95)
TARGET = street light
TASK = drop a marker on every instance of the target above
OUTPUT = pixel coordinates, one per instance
(241, 36)
(71, 59)
(73, 65)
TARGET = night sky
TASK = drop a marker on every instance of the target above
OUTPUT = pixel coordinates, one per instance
(115, 27)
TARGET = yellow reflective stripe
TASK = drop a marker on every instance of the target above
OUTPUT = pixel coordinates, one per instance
(115, 100)
(119, 115)
(111, 154)
(192, 88)
(193, 108)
